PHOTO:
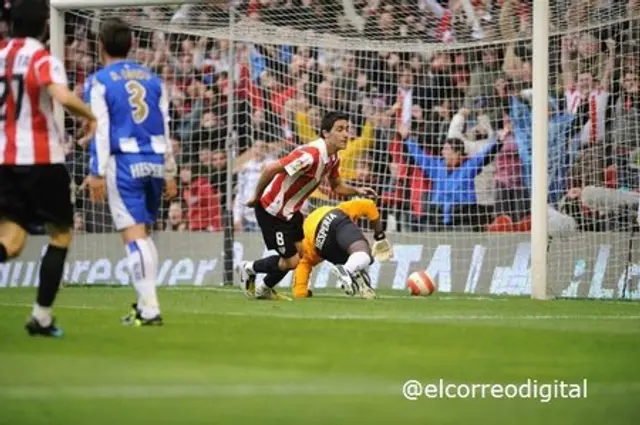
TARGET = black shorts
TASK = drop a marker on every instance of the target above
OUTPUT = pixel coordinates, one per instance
(334, 235)
(34, 195)
(279, 234)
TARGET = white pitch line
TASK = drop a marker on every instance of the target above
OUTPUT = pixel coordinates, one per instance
(425, 318)
(324, 388)
(190, 391)
(338, 296)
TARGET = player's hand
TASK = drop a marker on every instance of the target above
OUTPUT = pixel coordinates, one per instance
(88, 131)
(253, 202)
(96, 188)
(367, 192)
(170, 188)
(382, 250)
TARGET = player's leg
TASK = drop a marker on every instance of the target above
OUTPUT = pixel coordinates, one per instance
(287, 262)
(50, 275)
(359, 261)
(246, 270)
(359, 257)
(52, 203)
(284, 238)
(350, 239)
(289, 240)
(288, 243)
(327, 241)
(12, 240)
(142, 262)
(132, 202)
(13, 214)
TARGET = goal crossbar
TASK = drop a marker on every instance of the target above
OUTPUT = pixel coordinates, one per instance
(104, 4)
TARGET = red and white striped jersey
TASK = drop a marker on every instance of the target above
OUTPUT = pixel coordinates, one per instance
(305, 168)
(28, 133)
(594, 130)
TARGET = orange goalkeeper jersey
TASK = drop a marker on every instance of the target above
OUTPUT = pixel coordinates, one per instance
(355, 209)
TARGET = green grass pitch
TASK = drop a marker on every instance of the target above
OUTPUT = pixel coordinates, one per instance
(221, 359)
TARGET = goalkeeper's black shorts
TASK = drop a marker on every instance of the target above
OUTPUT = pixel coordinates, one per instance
(334, 235)
(34, 195)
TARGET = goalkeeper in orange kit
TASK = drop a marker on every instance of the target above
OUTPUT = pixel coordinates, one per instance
(331, 234)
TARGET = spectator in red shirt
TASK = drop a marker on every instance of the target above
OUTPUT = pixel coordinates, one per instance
(203, 202)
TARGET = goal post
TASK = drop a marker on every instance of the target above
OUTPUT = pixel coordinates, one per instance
(539, 179)
(499, 135)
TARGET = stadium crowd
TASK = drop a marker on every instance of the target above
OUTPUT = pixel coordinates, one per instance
(424, 123)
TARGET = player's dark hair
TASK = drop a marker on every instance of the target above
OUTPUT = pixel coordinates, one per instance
(116, 38)
(330, 119)
(28, 18)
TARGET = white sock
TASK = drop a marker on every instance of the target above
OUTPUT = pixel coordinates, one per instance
(249, 265)
(357, 261)
(142, 259)
(42, 315)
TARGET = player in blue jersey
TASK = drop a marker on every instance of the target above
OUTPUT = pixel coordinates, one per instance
(131, 158)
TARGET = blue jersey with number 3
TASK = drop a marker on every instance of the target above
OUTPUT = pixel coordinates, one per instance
(131, 140)
(132, 110)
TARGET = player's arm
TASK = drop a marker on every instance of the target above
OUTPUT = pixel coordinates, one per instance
(70, 101)
(51, 74)
(270, 170)
(96, 92)
(357, 208)
(381, 249)
(339, 187)
(170, 166)
(301, 276)
(297, 161)
(370, 210)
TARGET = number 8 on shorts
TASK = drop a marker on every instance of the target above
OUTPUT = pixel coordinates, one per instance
(280, 242)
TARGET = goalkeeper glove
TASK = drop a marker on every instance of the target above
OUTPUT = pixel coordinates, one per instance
(381, 248)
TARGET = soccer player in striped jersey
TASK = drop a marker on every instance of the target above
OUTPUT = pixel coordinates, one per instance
(331, 234)
(35, 186)
(282, 189)
(131, 157)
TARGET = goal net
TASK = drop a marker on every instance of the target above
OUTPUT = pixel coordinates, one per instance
(439, 93)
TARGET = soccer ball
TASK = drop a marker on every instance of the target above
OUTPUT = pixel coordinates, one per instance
(421, 284)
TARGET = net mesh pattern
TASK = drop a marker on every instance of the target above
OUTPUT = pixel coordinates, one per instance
(439, 94)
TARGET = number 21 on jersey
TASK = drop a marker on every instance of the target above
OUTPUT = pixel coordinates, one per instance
(137, 94)
(11, 90)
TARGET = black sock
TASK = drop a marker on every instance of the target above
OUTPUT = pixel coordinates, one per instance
(51, 270)
(267, 265)
(3, 254)
(273, 278)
